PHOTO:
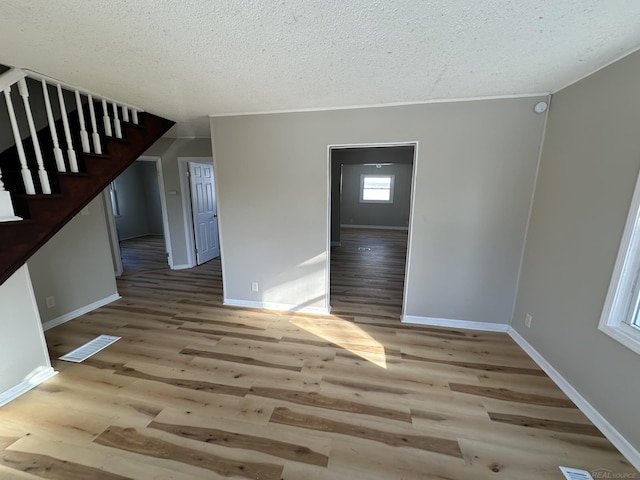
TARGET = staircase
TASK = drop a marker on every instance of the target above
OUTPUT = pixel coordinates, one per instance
(52, 173)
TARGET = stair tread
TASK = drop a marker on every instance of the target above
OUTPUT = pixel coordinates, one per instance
(50, 172)
(72, 174)
(17, 223)
(40, 196)
(116, 139)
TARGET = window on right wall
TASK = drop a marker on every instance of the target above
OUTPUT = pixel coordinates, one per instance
(621, 313)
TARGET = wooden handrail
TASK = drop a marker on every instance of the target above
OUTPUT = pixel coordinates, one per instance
(68, 86)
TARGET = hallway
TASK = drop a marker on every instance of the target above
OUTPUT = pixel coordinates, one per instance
(367, 272)
(143, 254)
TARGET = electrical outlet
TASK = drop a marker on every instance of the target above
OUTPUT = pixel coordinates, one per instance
(527, 320)
(84, 211)
(51, 301)
(254, 287)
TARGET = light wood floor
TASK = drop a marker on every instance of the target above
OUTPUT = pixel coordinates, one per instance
(195, 390)
(143, 254)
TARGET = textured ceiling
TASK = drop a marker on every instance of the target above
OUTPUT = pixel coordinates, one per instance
(191, 58)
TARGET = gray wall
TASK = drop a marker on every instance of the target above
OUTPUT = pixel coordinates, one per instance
(149, 178)
(589, 166)
(138, 201)
(132, 220)
(23, 351)
(75, 265)
(394, 214)
(474, 181)
(336, 199)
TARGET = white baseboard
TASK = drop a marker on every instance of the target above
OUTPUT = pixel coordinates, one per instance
(36, 378)
(373, 227)
(182, 266)
(80, 311)
(609, 431)
(283, 307)
(447, 322)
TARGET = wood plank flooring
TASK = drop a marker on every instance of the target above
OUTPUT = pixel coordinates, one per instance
(195, 390)
(143, 254)
(367, 272)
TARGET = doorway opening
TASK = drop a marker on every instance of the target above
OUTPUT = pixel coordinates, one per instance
(200, 209)
(370, 216)
(137, 219)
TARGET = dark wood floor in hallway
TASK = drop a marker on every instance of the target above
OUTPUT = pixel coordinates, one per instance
(367, 272)
(143, 254)
(197, 390)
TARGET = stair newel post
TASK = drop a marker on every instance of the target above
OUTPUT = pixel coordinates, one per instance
(24, 168)
(116, 121)
(106, 119)
(125, 114)
(84, 136)
(7, 213)
(42, 173)
(134, 116)
(94, 127)
(57, 151)
(73, 161)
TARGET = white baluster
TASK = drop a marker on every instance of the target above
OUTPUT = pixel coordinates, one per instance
(42, 173)
(125, 114)
(116, 121)
(26, 173)
(57, 152)
(73, 162)
(7, 213)
(106, 119)
(94, 127)
(84, 136)
(134, 115)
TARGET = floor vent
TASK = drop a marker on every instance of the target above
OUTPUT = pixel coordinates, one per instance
(80, 354)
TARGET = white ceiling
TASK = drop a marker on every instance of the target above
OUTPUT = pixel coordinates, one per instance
(192, 58)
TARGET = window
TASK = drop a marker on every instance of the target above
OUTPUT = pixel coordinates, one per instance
(113, 195)
(376, 188)
(621, 313)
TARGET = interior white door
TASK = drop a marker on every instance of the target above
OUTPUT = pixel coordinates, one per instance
(205, 211)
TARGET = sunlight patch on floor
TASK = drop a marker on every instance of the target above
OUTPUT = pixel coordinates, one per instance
(346, 335)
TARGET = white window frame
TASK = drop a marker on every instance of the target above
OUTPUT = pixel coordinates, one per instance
(362, 177)
(620, 306)
(113, 196)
